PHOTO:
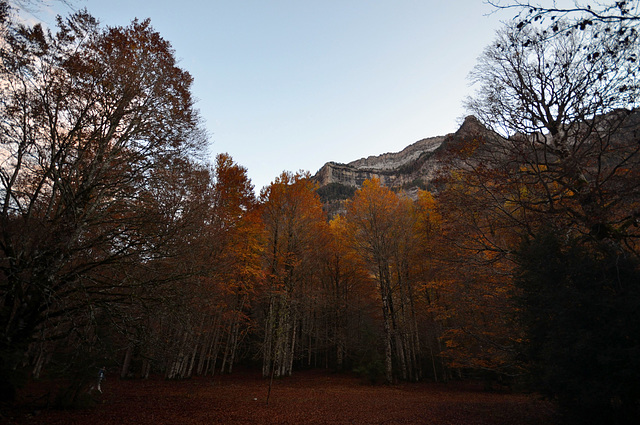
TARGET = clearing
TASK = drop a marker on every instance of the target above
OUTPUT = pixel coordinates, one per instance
(313, 397)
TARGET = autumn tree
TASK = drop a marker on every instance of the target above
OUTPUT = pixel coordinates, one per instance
(566, 137)
(177, 212)
(89, 116)
(295, 225)
(566, 161)
(382, 232)
(209, 318)
(371, 213)
(464, 268)
(348, 309)
(427, 259)
(231, 268)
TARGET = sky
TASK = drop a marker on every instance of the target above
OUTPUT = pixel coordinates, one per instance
(288, 85)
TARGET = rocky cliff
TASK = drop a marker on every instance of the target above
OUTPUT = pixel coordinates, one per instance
(413, 167)
(417, 166)
(393, 169)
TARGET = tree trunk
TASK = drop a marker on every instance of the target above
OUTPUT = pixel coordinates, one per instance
(126, 362)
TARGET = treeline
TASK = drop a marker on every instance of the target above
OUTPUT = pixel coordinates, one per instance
(121, 246)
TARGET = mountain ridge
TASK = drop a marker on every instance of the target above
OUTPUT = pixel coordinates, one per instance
(414, 167)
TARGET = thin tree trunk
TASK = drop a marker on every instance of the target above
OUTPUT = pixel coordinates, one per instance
(37, 368)
(126, 362)
(268, 359)
(212, 352)
(433, 363)
(204, 350)
(227, 347)
(234, 346)
(193, 360)
(292, 348)
(215, 347)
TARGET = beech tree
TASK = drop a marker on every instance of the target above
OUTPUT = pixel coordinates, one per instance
(568, 149)
(564, 99)
(427, 261)
(205, 317)
(294, 224)
(237, 253)
(89, 116)
(349, 302)
(370, 214)
(566, 114)
(465, 275)
(232, 267)
(381, 227)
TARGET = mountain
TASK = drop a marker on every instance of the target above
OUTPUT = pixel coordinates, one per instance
(413, 168)
(416, 166)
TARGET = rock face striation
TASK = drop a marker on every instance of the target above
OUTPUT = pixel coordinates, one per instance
(412, 168)
(392, 169)
(418, 165)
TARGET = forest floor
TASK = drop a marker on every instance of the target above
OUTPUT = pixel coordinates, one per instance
(313, 397)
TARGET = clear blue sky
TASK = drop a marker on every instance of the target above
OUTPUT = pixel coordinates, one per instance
(292, 84)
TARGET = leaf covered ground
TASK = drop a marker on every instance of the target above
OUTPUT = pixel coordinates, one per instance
(305, 398)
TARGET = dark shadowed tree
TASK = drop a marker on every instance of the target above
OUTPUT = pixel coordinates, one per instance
(88, 118)
(295, 226)
(578, 16)
(568, 159)
(566, 113)
(382, 229)
(582, 323)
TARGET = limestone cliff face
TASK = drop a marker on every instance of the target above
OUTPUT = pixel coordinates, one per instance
(394, 161)
(392, 169)
(415, 166)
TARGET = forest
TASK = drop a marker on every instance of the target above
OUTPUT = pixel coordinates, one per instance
(122, 245)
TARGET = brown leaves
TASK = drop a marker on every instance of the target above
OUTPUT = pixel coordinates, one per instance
(309, 398)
